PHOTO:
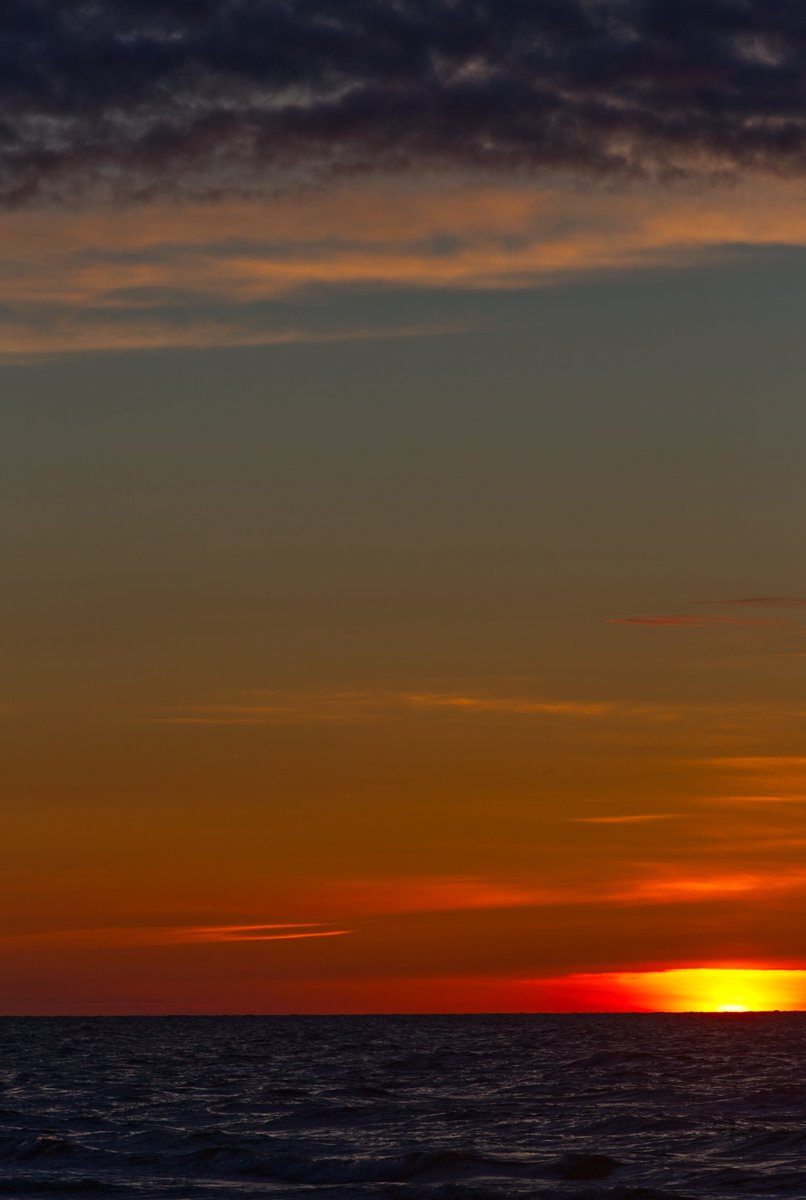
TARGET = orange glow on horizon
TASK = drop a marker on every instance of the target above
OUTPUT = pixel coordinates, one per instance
(722, 989)
(685, 989)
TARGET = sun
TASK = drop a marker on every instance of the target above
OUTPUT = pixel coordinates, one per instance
(713, 989)
(723, 989)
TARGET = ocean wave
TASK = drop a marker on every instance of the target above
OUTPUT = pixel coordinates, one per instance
(35, 1147)
(410, 1108)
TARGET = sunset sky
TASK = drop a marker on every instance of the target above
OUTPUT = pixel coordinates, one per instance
(403, 492)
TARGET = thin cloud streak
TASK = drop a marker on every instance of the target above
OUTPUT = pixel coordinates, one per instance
(20, 344)
(650, 885)
(759, 762)
(142, 936)
(507, 704)
(358, 706)
(765, 601)
(694, 621)
(632, 819)
(751, 801)
(669, 885)
(246, 934)
(433, 894)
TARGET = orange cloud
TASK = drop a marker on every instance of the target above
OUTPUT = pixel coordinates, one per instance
(671, 888)
(694, 621)
(250, 933)
(750, 800)
(762, 601)
(632, 819)
(778, 775)
(656, 886)
(355, 706)
(437, 894)
(116, 937)
(348, 706)
(760, 762)
(508, 704)
(192, 275)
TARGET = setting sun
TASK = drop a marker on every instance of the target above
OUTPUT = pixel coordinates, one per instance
(723, 989)
(685, 989)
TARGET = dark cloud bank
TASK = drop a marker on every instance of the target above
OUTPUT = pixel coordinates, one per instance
(131, 98)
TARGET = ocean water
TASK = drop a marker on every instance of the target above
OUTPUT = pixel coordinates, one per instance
(640, 1107)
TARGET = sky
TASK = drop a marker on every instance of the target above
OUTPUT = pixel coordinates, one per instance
(402, 505)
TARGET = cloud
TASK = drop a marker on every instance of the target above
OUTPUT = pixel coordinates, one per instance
(157, 935)
(632, 819)
(650, 885)
(754, 800)
(672, 889)
(19, 344)
(438, 893)
(761, 762)
(766, 601)
(693, 888)
(248, 933)
(516, 705)
(279, 269)
(354, 902)
(693, 621)
(344, 706)
(134, 98)
(779, 776)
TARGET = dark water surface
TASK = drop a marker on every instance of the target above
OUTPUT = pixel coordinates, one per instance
(447, 1108)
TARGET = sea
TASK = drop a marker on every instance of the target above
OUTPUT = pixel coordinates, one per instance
(626, 1107)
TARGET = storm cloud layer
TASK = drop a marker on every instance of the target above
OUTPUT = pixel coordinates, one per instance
(130, 99)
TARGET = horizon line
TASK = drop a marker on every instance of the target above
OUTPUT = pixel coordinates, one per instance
(587, 1012)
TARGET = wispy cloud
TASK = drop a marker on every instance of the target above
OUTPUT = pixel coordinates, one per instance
(359, 901)
(506, 704)
(668, 885)
(345, 706)
(645, 884)
(751, 801)
(439, 893)
(630, 819)
(250, 933)
(782, 776)
(760, 762)
(694, 621)
(765, 601)
(21, 343)
(268, 273)
(127, 936)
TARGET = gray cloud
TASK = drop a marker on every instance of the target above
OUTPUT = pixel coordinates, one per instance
(136, 98)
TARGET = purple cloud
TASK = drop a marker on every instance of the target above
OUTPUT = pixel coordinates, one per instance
(130, 99)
